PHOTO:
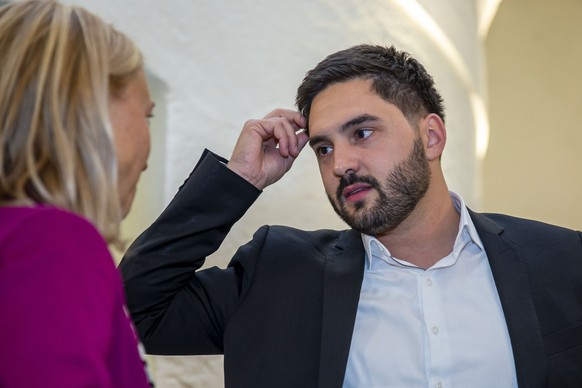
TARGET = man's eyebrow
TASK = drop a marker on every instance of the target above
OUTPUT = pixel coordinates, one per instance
(316, 139)
(363, 118)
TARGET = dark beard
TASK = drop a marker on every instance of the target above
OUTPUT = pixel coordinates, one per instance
(405, 186)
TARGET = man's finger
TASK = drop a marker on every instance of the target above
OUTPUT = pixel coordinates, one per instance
(291, 115)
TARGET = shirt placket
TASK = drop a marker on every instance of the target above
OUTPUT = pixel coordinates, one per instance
(438, 350)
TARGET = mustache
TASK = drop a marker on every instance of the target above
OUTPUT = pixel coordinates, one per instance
(351, 179)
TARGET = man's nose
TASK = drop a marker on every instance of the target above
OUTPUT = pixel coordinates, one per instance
(344, 162)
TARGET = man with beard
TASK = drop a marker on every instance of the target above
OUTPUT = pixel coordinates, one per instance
(420, 292)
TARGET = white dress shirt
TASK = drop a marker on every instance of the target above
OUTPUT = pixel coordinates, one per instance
(440, 328)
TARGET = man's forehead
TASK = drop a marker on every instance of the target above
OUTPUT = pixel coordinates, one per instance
(344, 106)
(337, 96)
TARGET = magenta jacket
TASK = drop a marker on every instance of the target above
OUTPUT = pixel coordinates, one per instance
(63, 321)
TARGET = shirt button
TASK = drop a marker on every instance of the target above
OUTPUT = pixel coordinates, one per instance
(439, 385)
(428, 282)
(435, 330)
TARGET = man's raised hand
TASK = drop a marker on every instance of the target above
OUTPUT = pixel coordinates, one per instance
(267, 147)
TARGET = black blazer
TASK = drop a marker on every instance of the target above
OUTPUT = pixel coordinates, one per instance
(283, 311)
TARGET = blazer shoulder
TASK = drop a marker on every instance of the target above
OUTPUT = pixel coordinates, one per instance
(519, 223)
(526, 231)
(321, 239)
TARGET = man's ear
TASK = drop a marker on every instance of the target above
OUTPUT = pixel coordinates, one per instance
(436, 136)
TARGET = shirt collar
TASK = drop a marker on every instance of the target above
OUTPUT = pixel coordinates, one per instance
(466, 234)
(466, 223)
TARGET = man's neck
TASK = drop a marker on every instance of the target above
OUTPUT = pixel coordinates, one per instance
(428, 234)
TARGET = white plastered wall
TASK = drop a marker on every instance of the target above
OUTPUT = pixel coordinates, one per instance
(214, 64)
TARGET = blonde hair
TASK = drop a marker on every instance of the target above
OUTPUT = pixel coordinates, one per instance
(59, 65)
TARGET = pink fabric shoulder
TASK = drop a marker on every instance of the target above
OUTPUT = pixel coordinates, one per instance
(64, 322)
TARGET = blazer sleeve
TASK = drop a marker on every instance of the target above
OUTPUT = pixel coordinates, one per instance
(177, 309)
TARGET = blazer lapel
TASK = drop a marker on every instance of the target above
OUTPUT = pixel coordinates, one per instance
(344, 271)
(516, 300)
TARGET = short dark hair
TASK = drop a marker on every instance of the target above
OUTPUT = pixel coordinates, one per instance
(396, 77)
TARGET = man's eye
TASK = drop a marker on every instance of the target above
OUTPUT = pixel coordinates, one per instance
(324, 150)
(363, 133)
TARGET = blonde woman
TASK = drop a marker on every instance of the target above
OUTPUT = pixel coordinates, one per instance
(74, 138)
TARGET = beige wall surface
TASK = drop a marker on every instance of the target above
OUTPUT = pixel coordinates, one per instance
(534, 57)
